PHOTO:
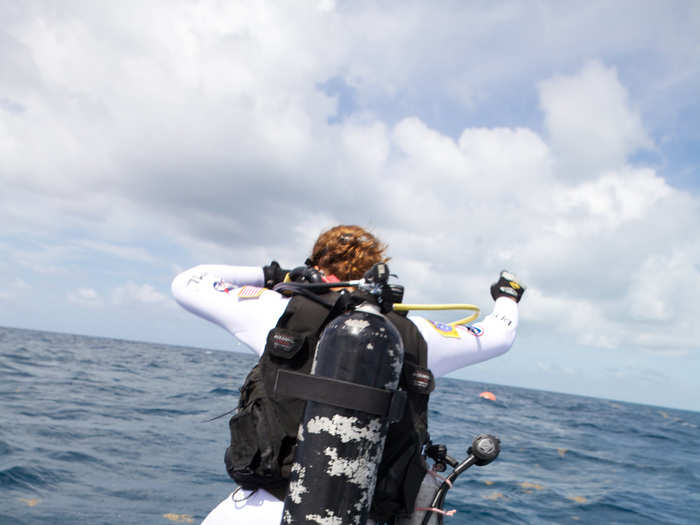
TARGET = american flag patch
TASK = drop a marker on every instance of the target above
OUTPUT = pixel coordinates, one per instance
(250, 292)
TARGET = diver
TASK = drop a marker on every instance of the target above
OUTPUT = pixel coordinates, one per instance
(283, 331)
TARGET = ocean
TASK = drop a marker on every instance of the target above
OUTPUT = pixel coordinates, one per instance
(106, 431)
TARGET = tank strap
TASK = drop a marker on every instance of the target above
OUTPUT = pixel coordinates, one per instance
(377, 401)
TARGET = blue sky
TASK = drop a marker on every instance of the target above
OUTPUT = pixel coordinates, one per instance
(557, 140)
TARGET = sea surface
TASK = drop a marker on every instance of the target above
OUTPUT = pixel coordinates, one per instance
(96, 430)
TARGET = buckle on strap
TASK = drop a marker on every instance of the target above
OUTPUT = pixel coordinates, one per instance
(389, 404)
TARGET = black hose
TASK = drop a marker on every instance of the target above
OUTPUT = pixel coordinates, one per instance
(319, 286)
(304, 289)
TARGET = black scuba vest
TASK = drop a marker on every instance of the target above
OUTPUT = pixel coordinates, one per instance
(264, 428)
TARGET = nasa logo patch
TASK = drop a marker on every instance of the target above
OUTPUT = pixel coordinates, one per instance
(223, 286)
(444, 329)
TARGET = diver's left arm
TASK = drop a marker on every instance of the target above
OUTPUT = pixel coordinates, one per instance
(450, 349)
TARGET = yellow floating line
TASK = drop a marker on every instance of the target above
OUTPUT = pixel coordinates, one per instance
(401, 307)
(180, 518)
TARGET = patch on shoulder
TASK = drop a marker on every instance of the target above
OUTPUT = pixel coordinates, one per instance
(250, 292)
(223, 286)
(476, 331)
(445, 330)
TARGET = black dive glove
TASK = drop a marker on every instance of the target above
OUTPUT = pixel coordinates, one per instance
(508, 286)
(273, 274)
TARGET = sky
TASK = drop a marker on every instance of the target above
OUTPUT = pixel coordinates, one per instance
(559, 140)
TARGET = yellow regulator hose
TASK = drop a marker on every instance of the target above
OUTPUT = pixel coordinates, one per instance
(401, 307)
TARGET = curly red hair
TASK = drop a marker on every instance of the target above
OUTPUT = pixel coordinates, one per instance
(347, 251)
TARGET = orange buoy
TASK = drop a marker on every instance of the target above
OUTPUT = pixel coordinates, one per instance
(488, 395)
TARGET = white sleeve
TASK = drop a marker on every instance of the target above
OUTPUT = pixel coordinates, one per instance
(450, 349)
(237, 275)
(214, 292)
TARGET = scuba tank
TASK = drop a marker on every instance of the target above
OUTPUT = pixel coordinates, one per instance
(351, 401)
(352, 398)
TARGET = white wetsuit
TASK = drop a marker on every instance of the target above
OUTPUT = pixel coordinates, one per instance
(232, 297)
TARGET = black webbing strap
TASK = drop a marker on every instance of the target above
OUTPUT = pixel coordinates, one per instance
(344, 394)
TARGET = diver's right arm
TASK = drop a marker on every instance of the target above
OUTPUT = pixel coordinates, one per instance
(211, 291)
(237, 275)
(453, 347)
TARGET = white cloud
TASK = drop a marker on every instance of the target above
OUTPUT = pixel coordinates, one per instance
(201, 127)
(608, 202)
(591, 123)
(130, 253)
(663, 291)
(141, 294)
(366, 146)
(507, 158)
(20, 284)
(13, 289)
(85, 297)
(428, 151)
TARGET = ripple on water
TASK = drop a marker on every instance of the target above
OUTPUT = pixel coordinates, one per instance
(113, 426)
(28, 478)
(5, 448)
(73, 457)
(6, 518)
